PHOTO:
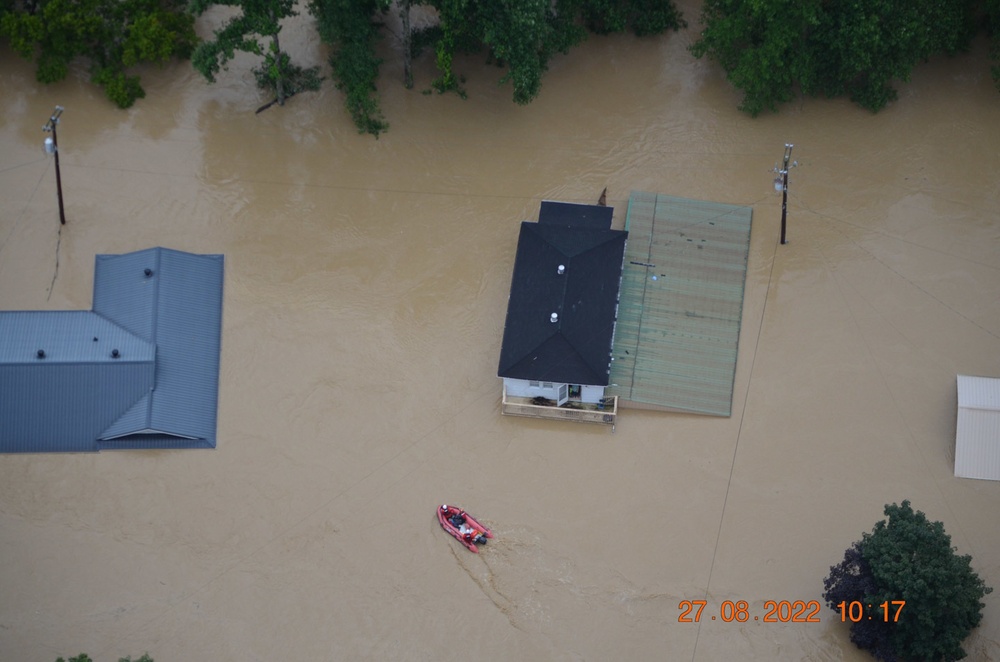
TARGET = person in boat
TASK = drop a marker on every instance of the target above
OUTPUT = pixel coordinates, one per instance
(457, 520)
(468, 533)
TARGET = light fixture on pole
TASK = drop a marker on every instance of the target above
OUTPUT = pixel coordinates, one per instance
(52, 147)
(781, 185)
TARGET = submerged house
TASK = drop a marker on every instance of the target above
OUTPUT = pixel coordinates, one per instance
(140, 370)
(977, 429)
(557, 341)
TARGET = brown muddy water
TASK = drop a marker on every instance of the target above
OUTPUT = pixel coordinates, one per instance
(366, 287)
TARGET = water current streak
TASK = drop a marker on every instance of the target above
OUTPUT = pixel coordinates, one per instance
(732, 466)
(55, 274)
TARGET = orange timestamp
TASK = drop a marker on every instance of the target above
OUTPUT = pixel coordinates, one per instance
(775, 611)
(855, 610)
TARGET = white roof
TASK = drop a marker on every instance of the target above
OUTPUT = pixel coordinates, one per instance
(979, 392)
(977, 433)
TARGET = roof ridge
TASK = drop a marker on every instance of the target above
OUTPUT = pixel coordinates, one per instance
(111, 320)
(155, 308)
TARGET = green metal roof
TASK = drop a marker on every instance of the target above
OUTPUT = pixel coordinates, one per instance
(681, 304)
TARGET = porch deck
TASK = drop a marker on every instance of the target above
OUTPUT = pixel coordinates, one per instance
(571, 411)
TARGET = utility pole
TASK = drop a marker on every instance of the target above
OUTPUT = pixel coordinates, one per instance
(52, 147)
(781, 184)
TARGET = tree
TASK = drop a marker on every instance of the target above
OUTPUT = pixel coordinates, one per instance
(992, 22)
(859, 49)
(523, 35)
(908, 558)
(771, 48)
(519, 36)
(404, 17)
(760, 46)
(348, 27)
(852, 580)
(643, 17)
(259, 18)
(114, 35)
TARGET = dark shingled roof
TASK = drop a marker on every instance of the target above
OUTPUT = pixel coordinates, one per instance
(576, 349)
(593, 217)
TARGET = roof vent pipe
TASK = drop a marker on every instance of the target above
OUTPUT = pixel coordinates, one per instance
(115, 354)
(554, 317)
(40, 354)
(562, 269)
(148, 272)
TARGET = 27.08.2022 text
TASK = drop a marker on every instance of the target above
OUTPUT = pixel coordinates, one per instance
(775, 611)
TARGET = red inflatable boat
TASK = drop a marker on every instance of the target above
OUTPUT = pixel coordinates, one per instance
(463, 526)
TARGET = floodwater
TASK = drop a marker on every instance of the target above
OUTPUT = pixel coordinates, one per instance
(366, 287)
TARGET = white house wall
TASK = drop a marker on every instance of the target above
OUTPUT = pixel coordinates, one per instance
(522, 388)
(591, 394)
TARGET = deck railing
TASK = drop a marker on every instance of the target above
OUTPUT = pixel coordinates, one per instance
(588, 413)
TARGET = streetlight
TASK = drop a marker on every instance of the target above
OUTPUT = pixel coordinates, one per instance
(52, 147)
(781, 185)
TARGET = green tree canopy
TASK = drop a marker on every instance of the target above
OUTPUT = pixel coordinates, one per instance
(908, 558)
(770, 49)
(643, 17)
(760, 45)
(991, 20)
(349, 27)
(859, 49)
(259, 18)
(113, 35)
(519, 36)
(522, 36)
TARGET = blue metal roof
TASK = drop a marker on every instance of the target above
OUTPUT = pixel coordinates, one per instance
(67, 337)
(140, 371)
